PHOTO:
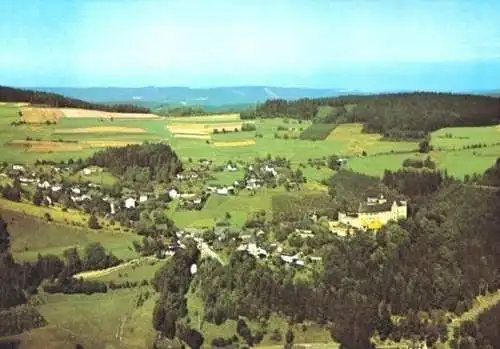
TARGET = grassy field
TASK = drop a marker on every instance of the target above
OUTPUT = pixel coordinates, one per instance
(111, 318)
(457, 162)
(240, 206)
(30, 236)
(458, 137)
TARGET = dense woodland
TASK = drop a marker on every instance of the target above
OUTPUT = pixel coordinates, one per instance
(139, 163)
(10, 94)
(401, 115)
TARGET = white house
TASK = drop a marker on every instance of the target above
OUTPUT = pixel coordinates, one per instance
(18, 168)
(56, 188)
(197, 201)
(44, 185)
(222, 191)
(76, 190)
(130, 203)
(193, 269)
(26, 180)
(173, 194)
(143, 198)
(88, 171)
(231, 168)
(270, 170)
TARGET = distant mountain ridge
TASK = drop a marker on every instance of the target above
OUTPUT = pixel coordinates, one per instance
(215, 96)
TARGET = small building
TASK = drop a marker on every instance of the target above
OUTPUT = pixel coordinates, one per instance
(44, 185)
(270, 170)
(173, 194)
(197, 201)
(130, 203)
(76, 190)
(56, 188)
(143, 198)
(222, 191)
(88, 171)
(18, 168)
(231, 168)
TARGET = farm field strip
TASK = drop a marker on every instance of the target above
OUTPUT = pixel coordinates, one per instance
(85, 113)
(52, 146)
(100, 129)
(234, 143)
(205, 118)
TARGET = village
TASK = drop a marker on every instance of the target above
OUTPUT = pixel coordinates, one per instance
(49, 185)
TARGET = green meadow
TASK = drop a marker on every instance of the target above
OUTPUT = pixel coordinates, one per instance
(31, 236)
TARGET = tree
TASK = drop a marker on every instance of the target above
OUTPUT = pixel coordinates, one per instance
(193, 338)
(4, 237)
(93, 222)
(424, 145)
(289, 337)
(38, 197)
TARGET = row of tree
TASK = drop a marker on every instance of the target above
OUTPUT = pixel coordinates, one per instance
(10, 94)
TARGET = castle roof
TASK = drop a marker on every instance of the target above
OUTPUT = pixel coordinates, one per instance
(386, 206)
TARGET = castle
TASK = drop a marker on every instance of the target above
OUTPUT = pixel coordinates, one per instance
(374, 213)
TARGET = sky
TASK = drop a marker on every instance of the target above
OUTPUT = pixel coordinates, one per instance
(364, 45)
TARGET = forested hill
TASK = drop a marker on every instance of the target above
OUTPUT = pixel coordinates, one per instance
(10, 94)
(398, 115)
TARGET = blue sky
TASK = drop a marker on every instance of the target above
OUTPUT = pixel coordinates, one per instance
(370, 45)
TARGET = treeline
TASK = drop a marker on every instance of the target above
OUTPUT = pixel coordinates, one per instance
(10, 94)
(398, 115)
(435, 262)
(139, 162)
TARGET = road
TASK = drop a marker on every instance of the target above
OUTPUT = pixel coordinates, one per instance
(107, 271)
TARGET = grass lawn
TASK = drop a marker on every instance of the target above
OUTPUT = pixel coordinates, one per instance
(226, 177)
(103, 317)
(240, 206)
(31, 235)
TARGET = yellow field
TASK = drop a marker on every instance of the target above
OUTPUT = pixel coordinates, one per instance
(203, 128)
(234, 143)
(38, 115)
(50, 146)
(101, 129)
(84, 113)
(192, 136)
(352, 135)
(201, 118)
